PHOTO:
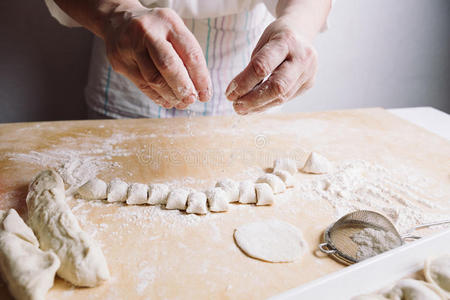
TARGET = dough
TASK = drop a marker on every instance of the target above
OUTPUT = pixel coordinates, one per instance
(247, 193)
(274, 181)
(57, 229)
(157, 193)
(285, 164)
(94, 189)
(370, 297)
(13, 223)
(196, 203)
(273, 241)
(28, 271)
(177, 199)
(411, 289)
(231, 187)
(217, 199)
(264, 194)
(286, 177)
(137, 193)
(437, 273)
(117, 191)
(316, 164)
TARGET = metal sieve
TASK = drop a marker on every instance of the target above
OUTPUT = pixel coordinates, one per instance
(338, 237)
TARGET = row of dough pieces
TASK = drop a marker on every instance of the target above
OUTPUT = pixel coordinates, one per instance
(218, 198)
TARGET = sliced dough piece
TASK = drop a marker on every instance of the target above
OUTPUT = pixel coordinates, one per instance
(137, 193)
(273, 240)
(94, 189)
(177, 199)
(117, 191)
(231, 187)
(196, 203)
(264, 194)
(28, 271)
(274, 181)
(218, 199)
(157, 193)
(316, 164)
(57, 229)
(247, 192)
(411, 289)
(286, 177)
(285, 164)
(437, 273)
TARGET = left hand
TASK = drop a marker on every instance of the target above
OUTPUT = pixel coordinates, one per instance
(286, 57)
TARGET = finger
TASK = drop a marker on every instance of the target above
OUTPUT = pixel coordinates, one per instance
(306, 86)
(305, 81)
(190, 52)
(132, 72)
(154, 79)
(265, 107)
(264, 62)
(171, 67)
(276, 86)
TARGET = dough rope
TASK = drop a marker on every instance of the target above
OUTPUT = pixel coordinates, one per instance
(57, 229)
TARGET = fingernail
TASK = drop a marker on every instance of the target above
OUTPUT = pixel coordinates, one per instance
(230, 89)
(204, 95)
(189, 99)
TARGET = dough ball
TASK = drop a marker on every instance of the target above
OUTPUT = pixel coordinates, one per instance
(411, 289)
(231, 187)
(264, 194)
(196, 203)
(273, 241)
(247, 193)
(286, 177)
(437, 272)
(285, 164)
(117, 191)
(137, 193)
(218, 199)
(274, 181)
(157, 193)
(316, 164)
(177, 199)
(94, 189)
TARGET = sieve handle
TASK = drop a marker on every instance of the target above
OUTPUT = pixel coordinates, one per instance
(325, 248)
(409, 231)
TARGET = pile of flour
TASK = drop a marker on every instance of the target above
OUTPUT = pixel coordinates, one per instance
(400, 194)
(372, 241)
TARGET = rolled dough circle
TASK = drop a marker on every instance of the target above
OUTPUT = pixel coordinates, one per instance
(272, 241)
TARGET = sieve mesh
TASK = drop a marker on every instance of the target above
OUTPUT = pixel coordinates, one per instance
(338, 237)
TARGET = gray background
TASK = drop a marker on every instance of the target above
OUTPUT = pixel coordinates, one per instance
(376, 53)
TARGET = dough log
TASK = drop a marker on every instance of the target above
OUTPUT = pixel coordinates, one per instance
(57, 229)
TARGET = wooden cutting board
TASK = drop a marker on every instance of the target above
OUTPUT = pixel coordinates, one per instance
(155, 253)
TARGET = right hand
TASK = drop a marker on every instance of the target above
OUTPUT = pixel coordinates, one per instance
(156, 51)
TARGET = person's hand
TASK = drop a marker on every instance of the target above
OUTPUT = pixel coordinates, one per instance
(286, 58)
(156, 51)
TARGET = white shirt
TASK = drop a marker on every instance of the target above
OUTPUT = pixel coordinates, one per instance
(227, 32)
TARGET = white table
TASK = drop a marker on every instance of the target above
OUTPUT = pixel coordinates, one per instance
(433, 120)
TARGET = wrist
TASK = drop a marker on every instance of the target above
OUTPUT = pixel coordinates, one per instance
(300, 28)
(112, 15)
